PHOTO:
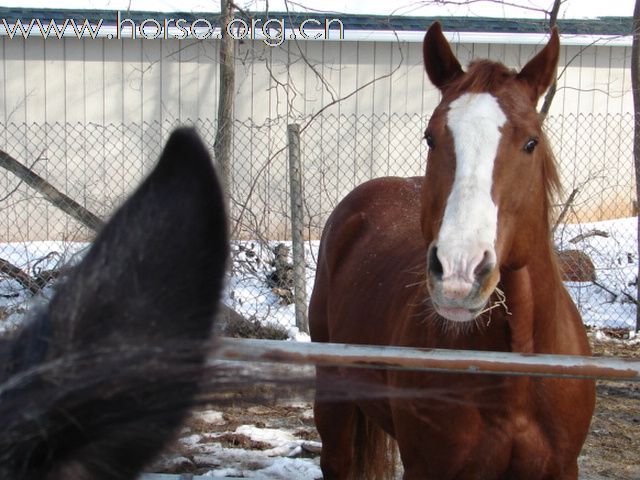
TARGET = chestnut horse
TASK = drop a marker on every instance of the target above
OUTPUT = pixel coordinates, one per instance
(101, 379)
(460, 258)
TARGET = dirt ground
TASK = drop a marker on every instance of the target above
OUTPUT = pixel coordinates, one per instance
(611, 451)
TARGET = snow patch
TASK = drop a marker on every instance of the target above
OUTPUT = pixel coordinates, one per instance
(210, 417)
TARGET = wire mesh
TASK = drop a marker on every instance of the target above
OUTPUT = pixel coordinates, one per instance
(97, 166)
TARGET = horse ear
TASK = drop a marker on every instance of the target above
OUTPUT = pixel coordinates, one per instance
(441, 64)
(538, 74)
(169, 237)
(113, 365)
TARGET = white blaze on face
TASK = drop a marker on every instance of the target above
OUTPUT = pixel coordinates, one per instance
(468, 230)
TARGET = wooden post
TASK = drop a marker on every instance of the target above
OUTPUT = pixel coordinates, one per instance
(297, 227)
(635, 87)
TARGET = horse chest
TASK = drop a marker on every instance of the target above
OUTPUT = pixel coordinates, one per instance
(485, 431)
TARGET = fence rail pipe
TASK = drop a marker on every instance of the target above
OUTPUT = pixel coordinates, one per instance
(436, 360)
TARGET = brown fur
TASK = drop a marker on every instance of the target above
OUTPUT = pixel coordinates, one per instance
(372, 287)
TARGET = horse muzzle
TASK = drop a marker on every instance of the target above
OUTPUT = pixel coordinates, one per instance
(460, 284)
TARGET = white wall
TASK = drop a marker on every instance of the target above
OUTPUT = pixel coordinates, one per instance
(123, 86)
(125, 81)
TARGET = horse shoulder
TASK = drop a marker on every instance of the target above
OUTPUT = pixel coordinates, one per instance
(366, 241)
(376, 213)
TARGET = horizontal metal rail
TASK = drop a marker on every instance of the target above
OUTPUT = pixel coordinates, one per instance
(434, 360)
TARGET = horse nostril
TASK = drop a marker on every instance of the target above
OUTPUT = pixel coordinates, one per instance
(485, 266)
(433, 263)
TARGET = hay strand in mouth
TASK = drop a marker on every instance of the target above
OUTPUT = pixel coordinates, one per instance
(501, 301)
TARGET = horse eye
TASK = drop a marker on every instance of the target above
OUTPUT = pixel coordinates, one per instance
(530, 145)
(430, 143)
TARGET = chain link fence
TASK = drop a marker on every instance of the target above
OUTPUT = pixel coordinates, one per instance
(90, 168)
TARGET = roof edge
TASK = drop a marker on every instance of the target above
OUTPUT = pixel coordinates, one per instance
(611, 31)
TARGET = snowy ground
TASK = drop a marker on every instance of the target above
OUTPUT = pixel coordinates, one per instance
(249, 295)
(606, 305)
(33, 258)
(251, 451)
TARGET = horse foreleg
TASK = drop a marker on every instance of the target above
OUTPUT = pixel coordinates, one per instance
(335, 420)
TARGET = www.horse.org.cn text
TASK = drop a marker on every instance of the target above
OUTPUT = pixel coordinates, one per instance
(271, 31)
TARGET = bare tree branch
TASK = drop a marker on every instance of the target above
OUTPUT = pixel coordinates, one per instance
(224, 132)
(50, 193)
(33, 284)
(565, 209)
(548, 98)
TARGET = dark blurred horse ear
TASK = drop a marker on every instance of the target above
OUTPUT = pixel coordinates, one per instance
(111, 368)
(441, 64)
(538, 74)
(155, 270)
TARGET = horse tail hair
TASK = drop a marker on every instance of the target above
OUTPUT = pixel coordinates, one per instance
(375, 453)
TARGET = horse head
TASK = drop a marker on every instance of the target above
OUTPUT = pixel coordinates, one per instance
(489, 174)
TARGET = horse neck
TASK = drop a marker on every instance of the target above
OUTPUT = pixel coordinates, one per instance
(536, 297)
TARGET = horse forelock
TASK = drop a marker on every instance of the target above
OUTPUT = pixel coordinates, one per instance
(481, 76)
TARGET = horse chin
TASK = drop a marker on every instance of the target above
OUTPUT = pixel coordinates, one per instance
(457, 314)
(467, 309)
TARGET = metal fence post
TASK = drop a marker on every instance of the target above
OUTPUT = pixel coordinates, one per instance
(297, 226)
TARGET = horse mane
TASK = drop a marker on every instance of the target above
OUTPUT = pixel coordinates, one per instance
(550, 175)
